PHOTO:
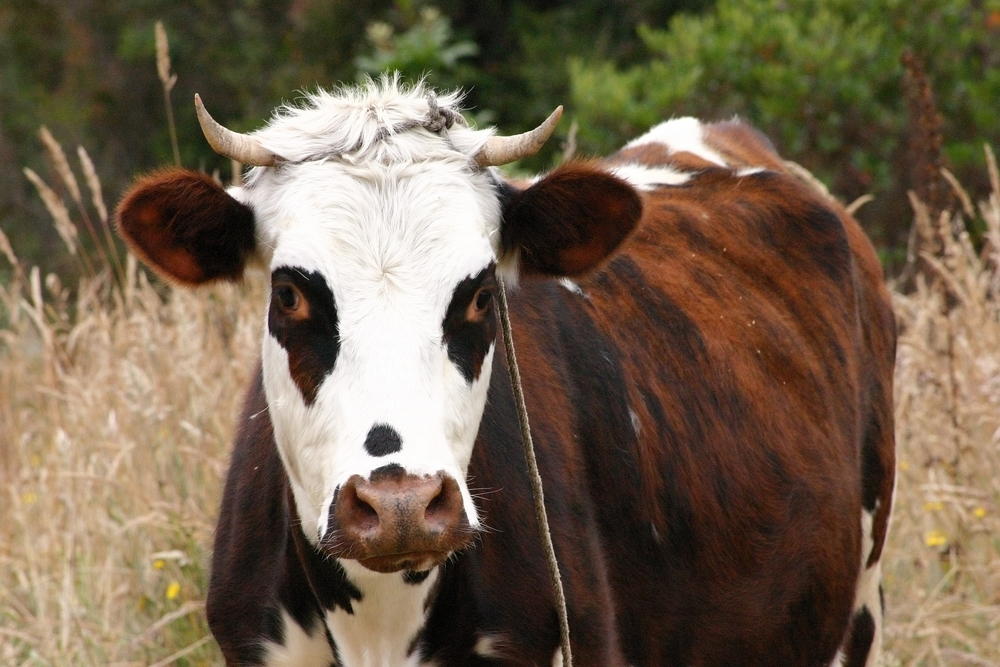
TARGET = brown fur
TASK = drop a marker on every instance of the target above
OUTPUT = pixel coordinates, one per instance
(187, 227)
(570, 220)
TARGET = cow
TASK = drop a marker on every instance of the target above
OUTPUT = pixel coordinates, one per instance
(707, 348)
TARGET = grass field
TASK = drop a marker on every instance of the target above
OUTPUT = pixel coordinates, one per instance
(117, 402)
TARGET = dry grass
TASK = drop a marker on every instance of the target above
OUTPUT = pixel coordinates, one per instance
(942, 563)
(116, 408)
(116, 411)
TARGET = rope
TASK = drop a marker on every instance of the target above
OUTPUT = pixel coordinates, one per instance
(438, 120)
(534, 476)
(441, 118)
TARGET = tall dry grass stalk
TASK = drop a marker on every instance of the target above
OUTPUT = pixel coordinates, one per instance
(168, 81)
(117, 401)
(942, 563)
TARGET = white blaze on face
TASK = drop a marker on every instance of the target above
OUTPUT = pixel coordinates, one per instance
(391, 244)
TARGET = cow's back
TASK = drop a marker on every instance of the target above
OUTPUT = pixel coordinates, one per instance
(713, 413)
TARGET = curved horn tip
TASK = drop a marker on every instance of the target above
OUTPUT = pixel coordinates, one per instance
(504, 150)
(233, 145)
(542, 133)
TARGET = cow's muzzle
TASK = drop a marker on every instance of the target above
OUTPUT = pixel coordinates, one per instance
(397, 521)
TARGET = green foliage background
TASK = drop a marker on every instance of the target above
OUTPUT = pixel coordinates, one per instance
(821, 77)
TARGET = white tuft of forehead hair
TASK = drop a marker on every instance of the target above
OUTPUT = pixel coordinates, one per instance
(372, 130)
(365, 123)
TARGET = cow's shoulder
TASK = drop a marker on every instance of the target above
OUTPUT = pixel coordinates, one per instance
(260, 607)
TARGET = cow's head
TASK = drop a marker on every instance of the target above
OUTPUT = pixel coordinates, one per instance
(383, 228)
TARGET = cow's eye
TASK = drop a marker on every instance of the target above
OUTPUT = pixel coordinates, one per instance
(287, 297)
(482, 299)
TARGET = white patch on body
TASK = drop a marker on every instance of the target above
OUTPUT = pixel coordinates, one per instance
(650, 178)
(867, 591)
(681, 135)
(572, 286)
(489, 646)
(750, 171)
(300, 647)
(636, 425)
(385, 621)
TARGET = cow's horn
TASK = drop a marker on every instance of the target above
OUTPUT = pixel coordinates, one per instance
(233, 145)
(503, 150)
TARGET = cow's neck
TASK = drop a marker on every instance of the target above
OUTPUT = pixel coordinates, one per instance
(383, 625)
(373, 618)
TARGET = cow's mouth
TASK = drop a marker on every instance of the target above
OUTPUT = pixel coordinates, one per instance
(414, 561)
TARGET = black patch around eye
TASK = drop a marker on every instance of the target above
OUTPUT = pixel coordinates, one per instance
(383, 440)
(469, 342)
(312, 343)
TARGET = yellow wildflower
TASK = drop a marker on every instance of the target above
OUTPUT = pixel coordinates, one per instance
(173, 590)
(936, 538)
(158, 564)
(979, 512)
(934, 506)
(30, 498)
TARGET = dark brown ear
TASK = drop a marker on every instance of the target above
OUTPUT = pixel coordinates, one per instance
(569, 221)
(187, 227)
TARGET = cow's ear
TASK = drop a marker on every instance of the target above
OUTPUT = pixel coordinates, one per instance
(569, 221)
(187, 227)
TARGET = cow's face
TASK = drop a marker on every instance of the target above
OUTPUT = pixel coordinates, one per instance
(381, 325)
(378, 346)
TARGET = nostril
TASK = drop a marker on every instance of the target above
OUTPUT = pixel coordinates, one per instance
(365, 514)
(445, 505)
(437, 505)
(355, 511)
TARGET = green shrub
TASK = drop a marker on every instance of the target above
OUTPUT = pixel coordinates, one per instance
(822, 78)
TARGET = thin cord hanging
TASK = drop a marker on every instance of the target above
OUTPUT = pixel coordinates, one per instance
(534, 476)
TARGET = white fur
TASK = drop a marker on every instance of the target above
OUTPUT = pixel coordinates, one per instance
(348, 121)
(490, 646)
(680, 135)
(867, 591)
(572, 286)
(385, 621)
(867, 594)
(300, 647)
(650, 178)
(636, 424)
